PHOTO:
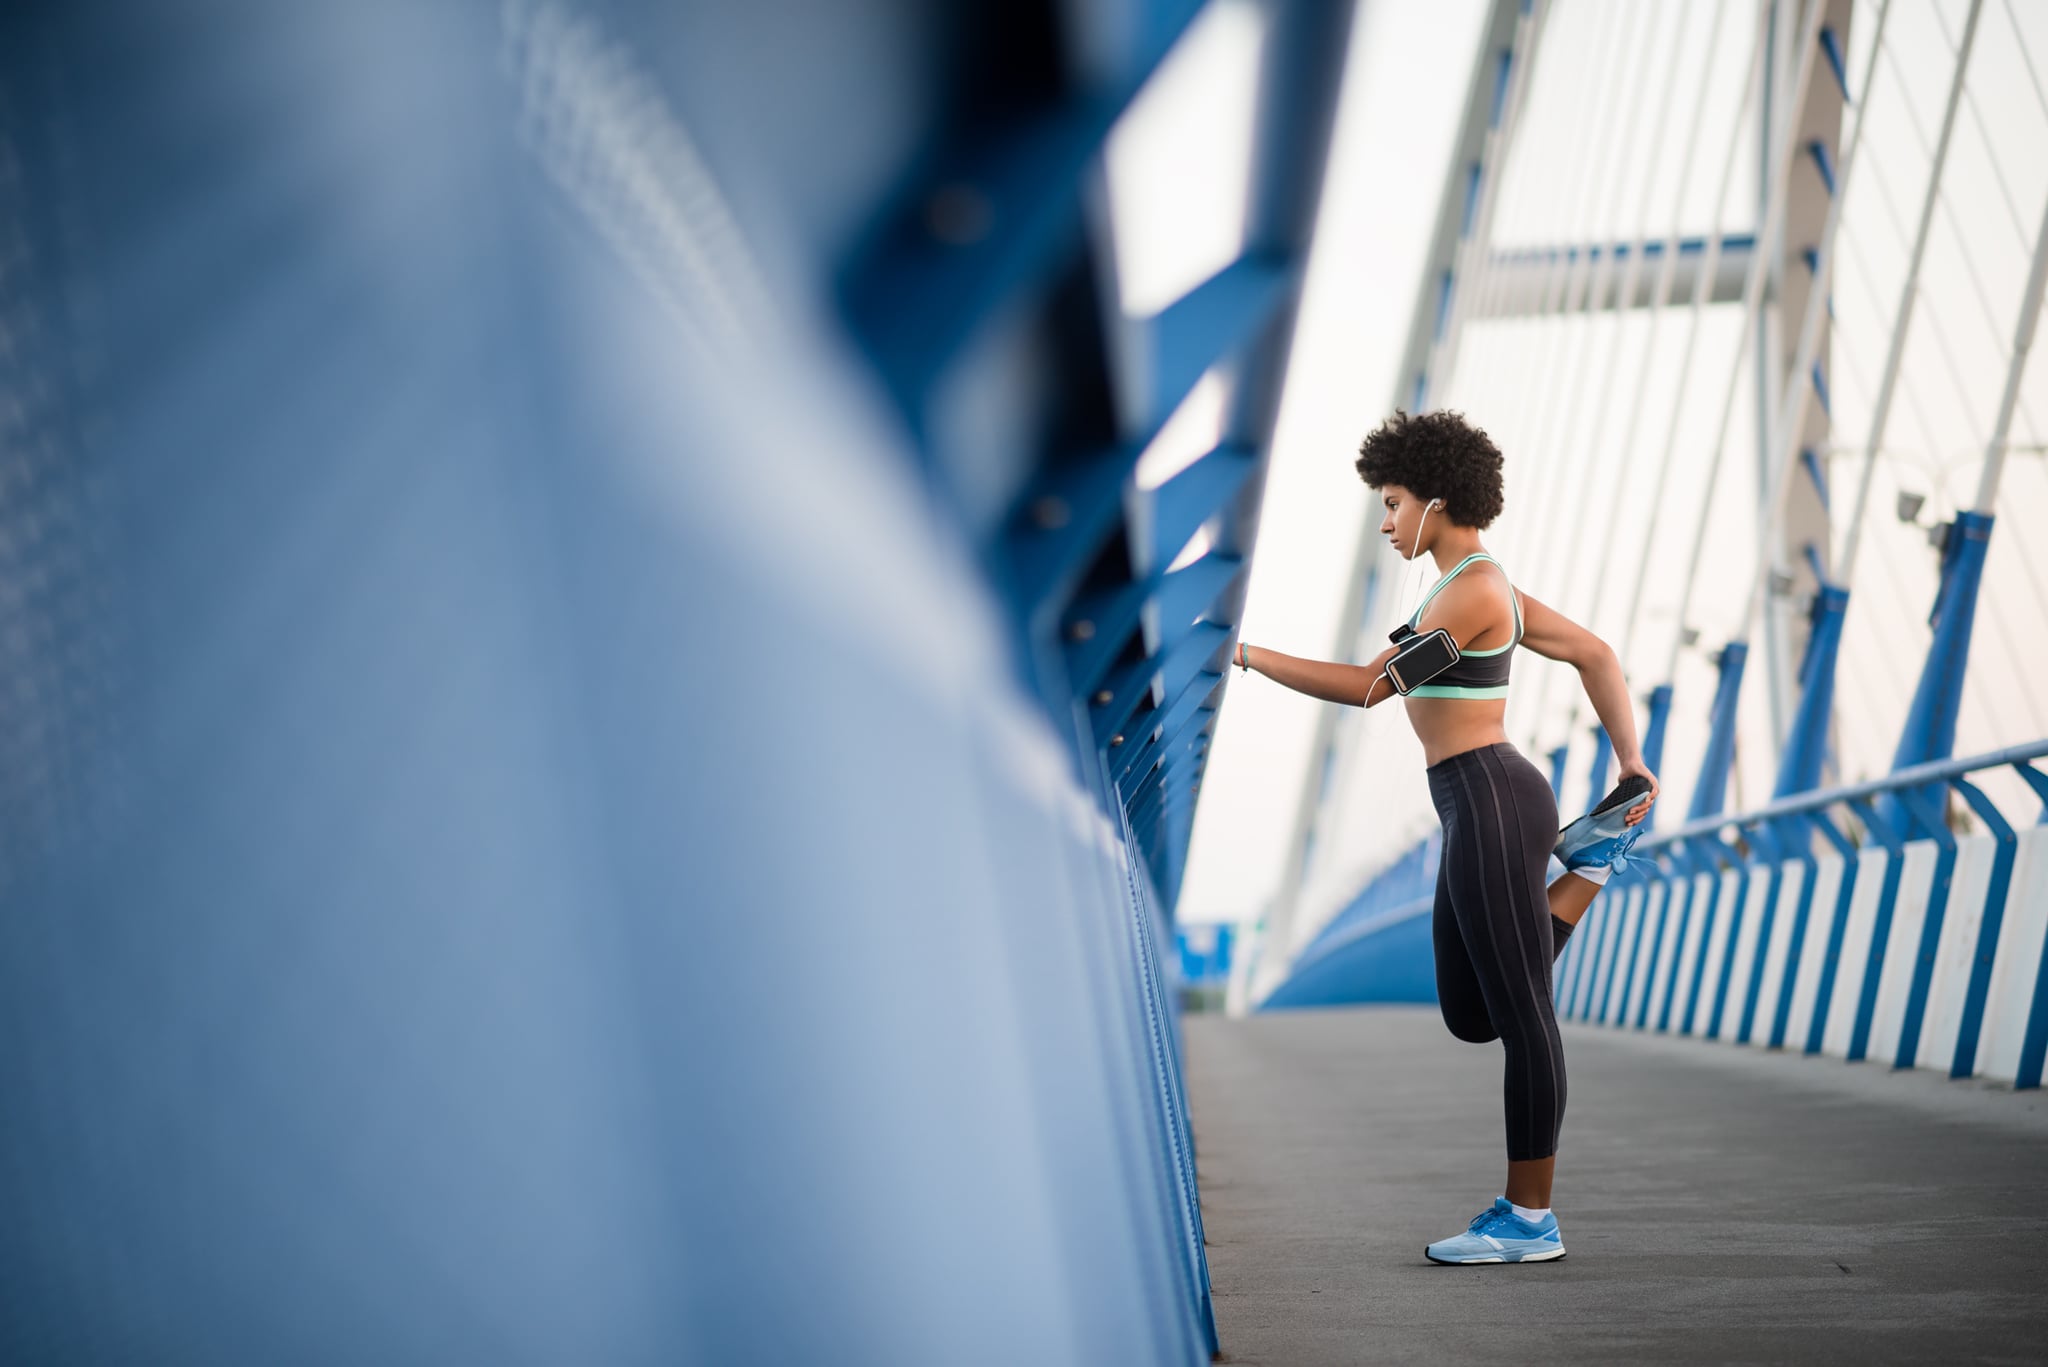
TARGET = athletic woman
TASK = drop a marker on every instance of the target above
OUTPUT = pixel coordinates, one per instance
(1501, 918)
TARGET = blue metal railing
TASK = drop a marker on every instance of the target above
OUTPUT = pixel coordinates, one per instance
(1669, 972)
(1666, 948)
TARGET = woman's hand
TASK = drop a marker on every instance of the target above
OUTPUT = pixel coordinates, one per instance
(1642, 807)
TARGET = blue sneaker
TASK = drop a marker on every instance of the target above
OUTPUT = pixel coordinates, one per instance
(1498, 1235)
(1603, 835)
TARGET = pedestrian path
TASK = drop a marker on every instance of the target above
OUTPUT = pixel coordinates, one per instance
(1719, 1203)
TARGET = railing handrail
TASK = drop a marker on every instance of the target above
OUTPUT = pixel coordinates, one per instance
(1335, 935)
(1932, 771)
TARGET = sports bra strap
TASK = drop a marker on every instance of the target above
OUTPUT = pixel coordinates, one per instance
(1515, 599)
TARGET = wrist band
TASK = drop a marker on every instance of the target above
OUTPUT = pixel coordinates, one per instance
(1243, 660)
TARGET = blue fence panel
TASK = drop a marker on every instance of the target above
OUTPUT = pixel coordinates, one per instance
(533, 823)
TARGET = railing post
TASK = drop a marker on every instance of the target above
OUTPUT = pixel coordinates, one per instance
(1795, 938)
(1711, 862)
(1737, 912)
(1964, 1064)
(1765, 837)
(1662, 880)
(1881, 928)
(1838, 928)
(1929, 815)
(1686, 861)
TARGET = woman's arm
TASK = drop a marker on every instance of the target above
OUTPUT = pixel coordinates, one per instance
(1550, 633)
(1357, 685)
(1468, 606)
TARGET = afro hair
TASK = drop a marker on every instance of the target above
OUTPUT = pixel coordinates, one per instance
(1436, 455)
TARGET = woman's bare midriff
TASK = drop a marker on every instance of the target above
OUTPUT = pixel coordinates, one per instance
(1451, 726)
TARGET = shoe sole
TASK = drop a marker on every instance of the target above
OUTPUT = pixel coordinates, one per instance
(1626, 793)
(1473, 1262)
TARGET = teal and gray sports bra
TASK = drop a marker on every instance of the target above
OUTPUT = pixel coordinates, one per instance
(1477, 673)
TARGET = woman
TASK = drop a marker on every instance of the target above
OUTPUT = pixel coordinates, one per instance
(1500, 919)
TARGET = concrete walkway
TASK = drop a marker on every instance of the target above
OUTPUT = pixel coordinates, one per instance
(1718, 1203)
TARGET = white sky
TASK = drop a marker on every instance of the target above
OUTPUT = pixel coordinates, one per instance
(1178, 167)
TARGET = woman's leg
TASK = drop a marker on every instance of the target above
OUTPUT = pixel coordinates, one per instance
(1569, 897)
(1458, 994)
(1496, 851)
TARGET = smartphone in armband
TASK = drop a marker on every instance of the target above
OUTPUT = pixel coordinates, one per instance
(1420, 658)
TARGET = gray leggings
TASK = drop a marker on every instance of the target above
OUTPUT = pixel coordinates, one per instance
(1494, 935)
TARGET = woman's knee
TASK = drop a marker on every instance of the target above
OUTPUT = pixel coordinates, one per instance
(1471, 1031)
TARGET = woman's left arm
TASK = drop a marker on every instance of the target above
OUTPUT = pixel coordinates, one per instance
(1550, 633)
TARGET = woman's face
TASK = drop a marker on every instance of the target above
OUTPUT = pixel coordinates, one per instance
(1404, 518)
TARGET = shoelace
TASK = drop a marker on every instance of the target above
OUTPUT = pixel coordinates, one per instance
(1612, 852)
(1492, 1216)
(1484, 1219)
(1625, 842)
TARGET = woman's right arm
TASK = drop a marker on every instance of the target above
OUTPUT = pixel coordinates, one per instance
(1466, 607)
(1358, 685)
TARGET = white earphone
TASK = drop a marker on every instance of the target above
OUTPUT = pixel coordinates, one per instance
(1416, 550)
(1433, 503)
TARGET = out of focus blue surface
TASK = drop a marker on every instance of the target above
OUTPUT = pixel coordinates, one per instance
(529, 828)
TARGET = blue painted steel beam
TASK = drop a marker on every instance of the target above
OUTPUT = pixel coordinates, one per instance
(2038, 781)
(1810, 460)
(1709, 794)
(1060, 525)
(1112, 615)
(1806, 745)
(1831, 45)
(1062, 521)
(1202, 641)
(1823, 163)
(1180, 506)
(1653, 738)
(984, 219)
(1930, 731)
(1165, 763)
(1208, 323)
(1177, 713)
(1189, 595)
(1596, 777)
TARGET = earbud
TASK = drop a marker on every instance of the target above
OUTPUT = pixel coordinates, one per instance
(1436, 503)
